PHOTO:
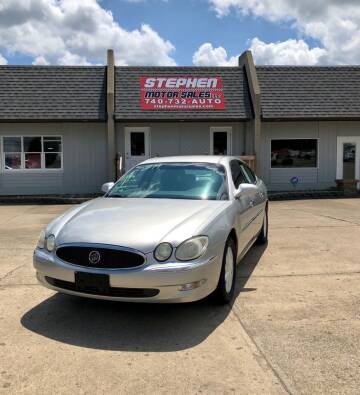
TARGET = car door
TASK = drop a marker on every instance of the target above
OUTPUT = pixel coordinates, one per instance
(258, 202)
(244, 210)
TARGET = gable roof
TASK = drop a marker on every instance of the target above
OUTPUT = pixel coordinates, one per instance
(309, 92)
(74, 93)
(127, 94)
(29, 93)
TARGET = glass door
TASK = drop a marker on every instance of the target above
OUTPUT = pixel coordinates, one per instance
(137, 146)
(349, 154)
(220, 141)
(348, 158)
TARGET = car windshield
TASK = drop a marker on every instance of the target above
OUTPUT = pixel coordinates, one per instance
(173, 181)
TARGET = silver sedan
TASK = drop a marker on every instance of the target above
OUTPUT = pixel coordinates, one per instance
(170, 230)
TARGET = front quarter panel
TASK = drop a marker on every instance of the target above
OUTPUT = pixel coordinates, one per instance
(260, 204)
(218, 230)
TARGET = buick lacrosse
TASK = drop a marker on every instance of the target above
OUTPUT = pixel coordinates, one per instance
(170, 230)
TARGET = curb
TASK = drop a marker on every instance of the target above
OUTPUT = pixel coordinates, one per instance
(301, 195)
(50, 199)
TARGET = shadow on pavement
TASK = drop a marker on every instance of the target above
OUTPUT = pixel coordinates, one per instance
(107, 325)
(247, 266)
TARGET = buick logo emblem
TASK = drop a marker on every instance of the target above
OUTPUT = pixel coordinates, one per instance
(94, 257)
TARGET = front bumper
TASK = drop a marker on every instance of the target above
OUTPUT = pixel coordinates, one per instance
(167, 278)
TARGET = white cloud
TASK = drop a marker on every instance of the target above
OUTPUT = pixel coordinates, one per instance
(290, 52)
(333, 23)
(40, 61)
(72, 59)
(76, 32)
(2, 60)
(207, 55)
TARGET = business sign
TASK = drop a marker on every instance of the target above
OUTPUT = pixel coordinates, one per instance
(181, 93)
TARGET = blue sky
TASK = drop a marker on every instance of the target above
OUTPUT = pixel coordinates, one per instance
(179, 32)
(190, 23)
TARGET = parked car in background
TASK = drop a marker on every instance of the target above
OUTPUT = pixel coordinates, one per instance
(170, 230)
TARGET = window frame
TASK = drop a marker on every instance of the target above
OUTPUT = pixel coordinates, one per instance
(295, 167)
(341, 140)
(245, 166)
(23, 169)
(241, 171)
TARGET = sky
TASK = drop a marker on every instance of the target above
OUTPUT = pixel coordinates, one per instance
(179, 32)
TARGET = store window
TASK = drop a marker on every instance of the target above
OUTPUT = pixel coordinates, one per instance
(32, 153)
(12, 147)
(294, 153)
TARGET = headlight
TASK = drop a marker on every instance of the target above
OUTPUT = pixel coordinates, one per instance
(163, 252)
(192, 248)
(41, 241)
(50, 243)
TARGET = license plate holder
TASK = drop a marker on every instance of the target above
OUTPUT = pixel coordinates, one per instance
(92, 283)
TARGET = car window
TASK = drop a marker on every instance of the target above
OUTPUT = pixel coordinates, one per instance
(249, 174)
(237, 173)
(204, 181)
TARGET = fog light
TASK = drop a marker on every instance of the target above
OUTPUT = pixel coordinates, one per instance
(193, 285)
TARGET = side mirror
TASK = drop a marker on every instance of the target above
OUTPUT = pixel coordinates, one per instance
(245, 190)
(106, 187)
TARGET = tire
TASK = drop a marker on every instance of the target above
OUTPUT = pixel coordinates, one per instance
(225, 290)
(263, 235)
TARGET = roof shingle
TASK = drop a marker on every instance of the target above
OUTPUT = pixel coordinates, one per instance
(29, 93)
(52, 93)
(309, 92)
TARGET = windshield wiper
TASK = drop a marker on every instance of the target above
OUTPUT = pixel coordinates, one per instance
(116, 195)
(180, 197)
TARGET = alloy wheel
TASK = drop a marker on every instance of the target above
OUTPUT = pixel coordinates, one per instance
(229, 270)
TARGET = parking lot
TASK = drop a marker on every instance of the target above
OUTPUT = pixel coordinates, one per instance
(294, 327)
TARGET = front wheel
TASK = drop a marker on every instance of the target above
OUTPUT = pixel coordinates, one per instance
(224, 292)
(263, 235)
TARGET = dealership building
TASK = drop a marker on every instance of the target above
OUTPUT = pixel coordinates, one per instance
(68, 129)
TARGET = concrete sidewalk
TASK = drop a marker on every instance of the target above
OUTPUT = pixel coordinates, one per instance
(294, 327)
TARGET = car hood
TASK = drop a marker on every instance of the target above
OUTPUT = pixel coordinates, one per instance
(135, 223)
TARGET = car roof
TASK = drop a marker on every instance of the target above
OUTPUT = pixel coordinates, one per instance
(217, 159)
